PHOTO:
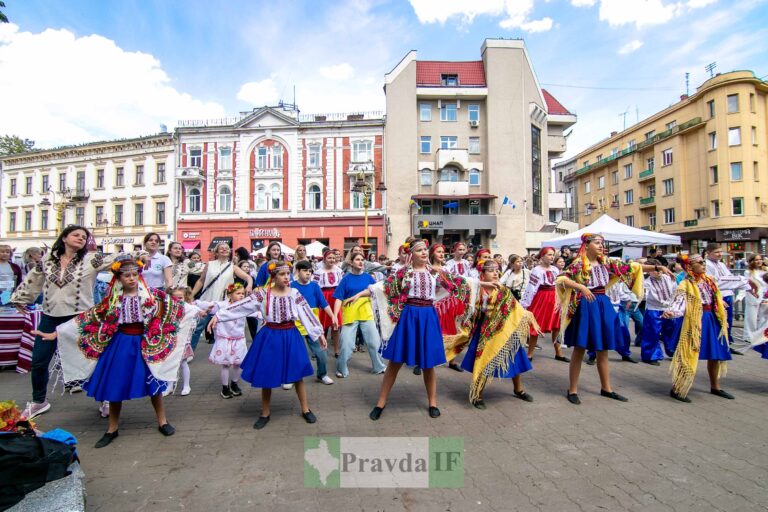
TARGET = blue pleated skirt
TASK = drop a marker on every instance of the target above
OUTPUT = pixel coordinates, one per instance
(276, 357)
(417, 339)
(712, 348)
(519, 364)
(763, 350)
(594, 326)
(121, 373)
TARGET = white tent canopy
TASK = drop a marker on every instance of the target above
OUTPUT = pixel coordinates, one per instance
(616, 234)
(315, 249)
(283, 248)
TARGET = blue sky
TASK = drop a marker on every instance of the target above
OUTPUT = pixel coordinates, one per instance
(78, 71)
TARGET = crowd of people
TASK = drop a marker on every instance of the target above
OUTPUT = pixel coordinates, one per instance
(127, 325)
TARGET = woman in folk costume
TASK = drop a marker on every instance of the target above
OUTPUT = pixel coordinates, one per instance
(278, 354)
(328, 275)
(125, 347)
(703, 335)
(498, 327)
(759, 340)
(752, 301)
(539, 298)
(587, 316)
(482, 254)
(458, 265)
(449, 309)
(409, 322)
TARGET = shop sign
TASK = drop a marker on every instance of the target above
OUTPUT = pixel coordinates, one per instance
(191, 235)
(734, 235)
(265, 233)
(118, 241)
(431, 224)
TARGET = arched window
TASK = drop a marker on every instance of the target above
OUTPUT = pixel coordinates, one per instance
(275, 193)
(449, 174)
(474, 177)
(193, 200)
(314, 198)
(261, 198)
(225, 199)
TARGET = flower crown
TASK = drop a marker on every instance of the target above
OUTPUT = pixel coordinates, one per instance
(128, 262)
(488, 264)
(408, 247)
(278, 266)
(234, 287)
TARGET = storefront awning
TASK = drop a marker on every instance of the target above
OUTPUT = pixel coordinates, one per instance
(454, 198)
(220, 240)
(190, 245)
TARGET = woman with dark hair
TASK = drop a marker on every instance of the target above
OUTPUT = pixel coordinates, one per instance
(516, 276)
(180, 265)
(241, 254)
(369, 267)
(66, 278)
(196, 268)
(274, 253)
(157, 274)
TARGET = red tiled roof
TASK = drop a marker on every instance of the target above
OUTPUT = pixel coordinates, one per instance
(554, 107)
(428, 72)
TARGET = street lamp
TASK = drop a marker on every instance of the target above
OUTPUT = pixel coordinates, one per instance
(59, 206)
(364, 184)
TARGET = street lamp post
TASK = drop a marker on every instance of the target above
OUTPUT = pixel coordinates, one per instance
(364, 184)
(58, 206)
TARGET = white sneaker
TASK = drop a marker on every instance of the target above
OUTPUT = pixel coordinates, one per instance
(76, 388)
(104, 409)
(326, 380)
(186, 390)
(169, 389)
(34, 409)
(287, 386)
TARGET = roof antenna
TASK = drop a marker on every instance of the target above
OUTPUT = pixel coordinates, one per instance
(711, 68)
(687, 83)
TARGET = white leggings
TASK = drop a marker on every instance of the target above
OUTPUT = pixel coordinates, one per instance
(229, 373)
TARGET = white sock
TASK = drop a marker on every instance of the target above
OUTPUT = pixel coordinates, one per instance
(185, 374)
(235, 372)
(225, 375)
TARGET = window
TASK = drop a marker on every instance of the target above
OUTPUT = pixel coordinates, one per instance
(474, 145)
(194, 200)
(474, 207)
(651, 190)
(13, 187)
(751, 102)
(715, 208)
(313, 156)
(99, 178)
(713, 177)
(425, 177)
(277, 157)
(629, 220)
(734, 136)
(225, 199)
(79, 216)
(754, 136)
(12, 222)
(426, 145)
(46, 184)
(28, 187)
(649, 135)
(119, 177)
(262, 161)
(160, 173)
(669, 187)
(629, 196)
(755, 171)
(314, 198)
(99, 215)
(474, 178)
(737, 206)
(614, 151)
(473, 111)
(652, 219)
(139, 175)
(449, 174)
(712, 140)
(450, 207)
(28, 221)
(426, 207)
(425, 112)
(275, 196)
(80, 184)
(671, 125)
(733, 103)
(711, 108)
(599, 157)
(631, 144)
(44, 219)
(357, 198)
(448, 111)
(138, 214)
(736, 171)
(666, 157)
(195, 157)
(587, 187)
(669, 215)
(160, 213)
(225, 158)
(118, 215)
(261, 197)
(448, 142)
(449, 80)
(361, 151)
(62, 182)
(601, 183)
(627, 171)
(614, 178)
(536, 180)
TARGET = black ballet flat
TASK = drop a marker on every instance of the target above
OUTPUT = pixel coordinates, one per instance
(573, 398)
(652, 363)
(679, 397)
(166, 429)
(455, 367)
(564, 359)
(479, 404)
(613, 395)
(434, 412)
(107, 438)
(261, 422)
(591, 362)
(524, 396)
(629, 359)
(722, 394)
(376, 413)
(416, 370)
(309, 417)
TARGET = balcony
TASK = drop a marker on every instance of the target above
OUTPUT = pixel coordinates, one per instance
(79, 195)
(457, 157)
(189, 175)
(224, 174)
(440, 223)
(556, 144)
(366, 167)
(645, 175)
(647, 202)
(453, 188)
(650, 227)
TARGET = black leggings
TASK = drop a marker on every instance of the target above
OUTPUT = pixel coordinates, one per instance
(42, 353)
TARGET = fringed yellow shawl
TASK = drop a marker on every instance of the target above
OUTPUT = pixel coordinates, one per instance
(502, 332)
(686, 358)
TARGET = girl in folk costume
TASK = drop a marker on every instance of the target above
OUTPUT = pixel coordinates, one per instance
(539, 298)
(703, 335)
(449, 309)
(516, 276)
(498, 327)
(409, 321)
(752, 302)
(458, 265)
(187, 325)
(480, 255)
(277, 355)
(125, 347)
(328, 275)
(229, 349)
(587, 315)
(759, 340)
(660, 289)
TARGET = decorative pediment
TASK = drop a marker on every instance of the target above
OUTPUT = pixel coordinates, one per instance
(266, 117)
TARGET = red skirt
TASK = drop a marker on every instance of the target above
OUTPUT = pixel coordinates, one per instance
(447, 311)
(325, 319)
(543, 309)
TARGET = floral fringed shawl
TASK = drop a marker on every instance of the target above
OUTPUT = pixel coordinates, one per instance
(630, 274)
(686, 358)
(503, 330)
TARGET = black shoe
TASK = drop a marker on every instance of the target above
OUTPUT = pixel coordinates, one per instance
(564, 359)
(376, 413)
(629, 359)
(455, 367)
(652, 363)
(613, 395)
(107, 438)
(309, 417)
(226, 393)
(573, 398)
(722, 394)
(479, 403)
(736, 352)
(591, 362)
(434, 412)
(679, 397)
(416, 370)
(261, 422)
(525, 397)
(235, 389)
(166, 429)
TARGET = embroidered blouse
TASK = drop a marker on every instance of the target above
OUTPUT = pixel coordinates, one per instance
(460, 268)
(180, 272)
(328, 278)
(678, 304)
(540, 276)
(233, 329)
(130, 310)
(726, 281)
(659, 292)
(423, 285)
(516, 282)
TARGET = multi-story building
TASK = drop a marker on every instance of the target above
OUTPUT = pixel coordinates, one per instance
(696, 169)
(467, 148)
(560, 170)
(120, 190)
(273, 174)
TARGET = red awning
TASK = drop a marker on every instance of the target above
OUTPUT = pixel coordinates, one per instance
(189, 245)
(470, 196)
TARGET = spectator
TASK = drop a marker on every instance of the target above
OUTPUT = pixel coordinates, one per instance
(10, 274)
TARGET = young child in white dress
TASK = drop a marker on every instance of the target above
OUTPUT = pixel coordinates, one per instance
(184, 294)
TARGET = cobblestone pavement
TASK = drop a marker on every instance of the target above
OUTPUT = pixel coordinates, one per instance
(649, 454)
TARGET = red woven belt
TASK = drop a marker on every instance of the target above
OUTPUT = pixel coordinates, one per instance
(546, 287)
(419, 302)
(707, 307)
(280, 325)
(135, 329)
(598, 291)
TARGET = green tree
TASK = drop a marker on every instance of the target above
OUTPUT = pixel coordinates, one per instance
(12, 144)
(3, 17)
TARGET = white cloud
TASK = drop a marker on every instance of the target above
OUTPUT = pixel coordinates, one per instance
(696, 4)
(515, 12)
(58, 88)
(263, 92)
(630, 47)
(341, 71)
(583, 3)
(641, 12)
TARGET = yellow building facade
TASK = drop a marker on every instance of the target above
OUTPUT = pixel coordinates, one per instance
(698, 169)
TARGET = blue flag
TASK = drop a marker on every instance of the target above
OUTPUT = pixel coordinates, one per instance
(454, 204)
(506, 200)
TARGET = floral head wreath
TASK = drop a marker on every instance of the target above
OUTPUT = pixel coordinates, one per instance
(126, 263)
(234, 287)
(586, 268)
(486, 264)
(409, 247)
(275, 267)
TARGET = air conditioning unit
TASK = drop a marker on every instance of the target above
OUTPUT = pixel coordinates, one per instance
(474, 124)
